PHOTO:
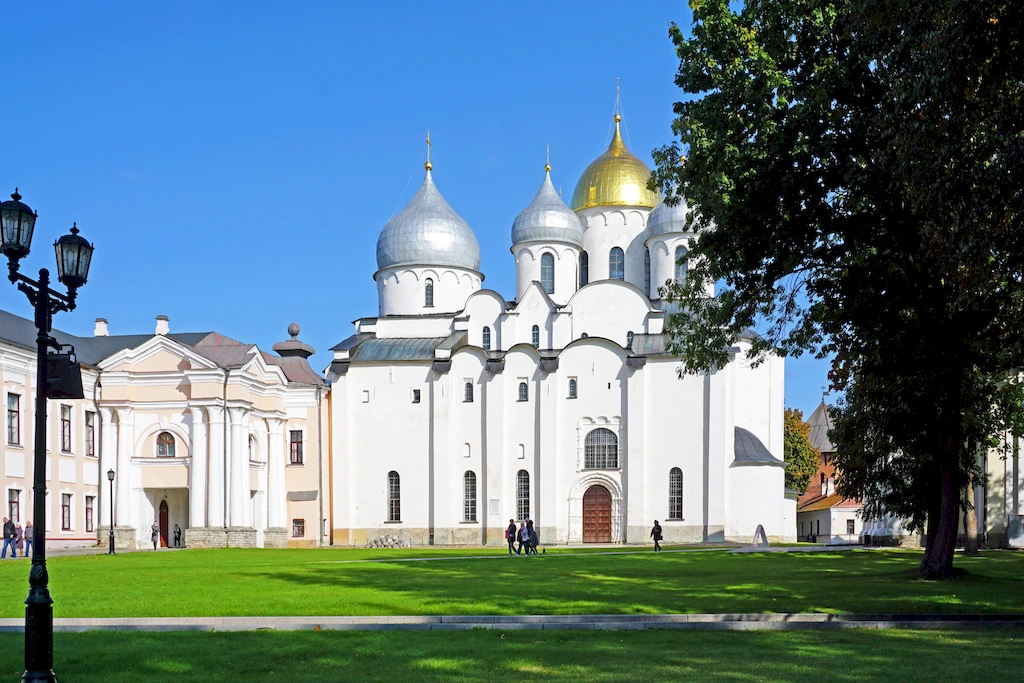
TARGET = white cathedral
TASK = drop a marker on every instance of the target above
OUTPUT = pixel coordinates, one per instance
(455, 410)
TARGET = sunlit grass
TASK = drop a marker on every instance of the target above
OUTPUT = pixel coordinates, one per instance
(328, 582)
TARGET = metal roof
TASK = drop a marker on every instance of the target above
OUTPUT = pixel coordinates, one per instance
(403, 349)
(820, 422)
(750, 451)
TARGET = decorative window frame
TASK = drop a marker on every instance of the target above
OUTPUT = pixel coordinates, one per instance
(612, 423)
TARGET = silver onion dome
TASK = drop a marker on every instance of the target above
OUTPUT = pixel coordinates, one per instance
(427, 232)
(547, 218)
(667, 219)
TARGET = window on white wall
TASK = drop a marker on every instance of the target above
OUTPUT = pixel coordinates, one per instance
(394, 497)
(523, 495)
(65, 429)
(524, 392)
(90, 513)
(647, 273)
(675, 493)
(601, 450)
(65, 512)
(487, 338)
(165, 445)
(584, 269)
(680, 264)
(572, 387)
(14, 419)
(535, 337)
(467, 396)
(629, 339)
(428, 293)
(616, 264)
(90, 434)
(469, 497)
(14, 505)
(547, 273)
(295, 456)
(849, 527)
(415, 395)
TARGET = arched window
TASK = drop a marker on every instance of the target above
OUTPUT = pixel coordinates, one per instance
(547, 273)
(428, 293)
(675, 493)
(616, 264)
(165, 445)
(601, 450)
(524, 392)
(468, 395)
(487, 339)
(469, 497)
(572, 387)
(647, 273)
(680, 264)
(535, 337)
(584, 269)
(394, 497)
(253, 453)
(629, 339)
(523, 495)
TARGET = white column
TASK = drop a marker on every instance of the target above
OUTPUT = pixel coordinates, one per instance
(108, 460)
(215, 489)
(277, 491)
(123, 482)
(239, 490)
(197, 483)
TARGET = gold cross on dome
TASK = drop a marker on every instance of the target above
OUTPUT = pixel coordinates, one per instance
(428, 165)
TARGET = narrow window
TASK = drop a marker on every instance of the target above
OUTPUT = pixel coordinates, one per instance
(680, 264)
(65, 512)
(629, 339)
(428, 293)
(817, 527)
(89, 513)
(675, 493)
(487, 339)
(647, 273)
(298, 528)
(165, 445)
(547, 273)
(90, 434)
(253, 451)
(468, 396)
(469, 491)
(65, 429)
(601, 450)
(572, 387)
(849, 527)
(584, 269)
(415, 395)
(535, 337)
(14, 505)
(295, 447)
(524, 392)
(523, 495)
(14, 419)
(394, 497)
(616, 265)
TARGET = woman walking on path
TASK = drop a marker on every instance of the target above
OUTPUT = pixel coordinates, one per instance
(28, 538)
(534, 537)
(656, 535)
(510, 535)
(177, 536)
(524, 539)
(19, 538)
(155, 535)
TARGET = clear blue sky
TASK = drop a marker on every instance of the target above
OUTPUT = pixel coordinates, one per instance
(235, 162)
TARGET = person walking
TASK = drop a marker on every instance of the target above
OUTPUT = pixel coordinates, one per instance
(656, 535)
(9, 538)
(19, 539)
(177, 536)
(510, 535)
(534, 537)
(524, 539)
(28, 538)
(155, 534)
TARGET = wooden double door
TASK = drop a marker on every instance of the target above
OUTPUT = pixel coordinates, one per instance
(597, 515)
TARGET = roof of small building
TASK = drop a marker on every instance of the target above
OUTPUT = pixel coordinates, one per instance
(400, 349)
(833, 501)
(749, 450)
(820, 422)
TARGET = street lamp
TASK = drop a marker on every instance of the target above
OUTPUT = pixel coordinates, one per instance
(74, 254)
(110, 478)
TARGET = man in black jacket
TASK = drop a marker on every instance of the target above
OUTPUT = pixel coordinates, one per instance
(10, 536)
(510, 535)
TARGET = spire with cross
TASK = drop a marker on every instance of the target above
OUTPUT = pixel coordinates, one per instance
(428, 165)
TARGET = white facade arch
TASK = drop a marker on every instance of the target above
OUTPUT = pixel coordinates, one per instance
(611, 481)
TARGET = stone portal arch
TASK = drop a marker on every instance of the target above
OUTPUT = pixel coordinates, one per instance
(610, 482)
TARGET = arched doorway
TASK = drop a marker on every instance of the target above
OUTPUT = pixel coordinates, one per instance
(164, 523)
(597, 515)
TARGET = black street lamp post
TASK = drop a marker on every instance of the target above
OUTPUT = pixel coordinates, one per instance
(110, 478)
(74, 254)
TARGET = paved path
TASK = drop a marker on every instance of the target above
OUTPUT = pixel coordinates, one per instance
(743, 622)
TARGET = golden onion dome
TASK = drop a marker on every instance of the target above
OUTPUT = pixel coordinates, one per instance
(616, 178)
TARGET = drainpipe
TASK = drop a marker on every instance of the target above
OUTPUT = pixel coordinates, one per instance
(224, 442)
(319, 467)
(330, 484)
(99, 451)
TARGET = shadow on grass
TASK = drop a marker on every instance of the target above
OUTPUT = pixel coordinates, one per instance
(472, 656)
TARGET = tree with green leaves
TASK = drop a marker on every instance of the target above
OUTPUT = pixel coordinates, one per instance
(801, 457)
(855, 172)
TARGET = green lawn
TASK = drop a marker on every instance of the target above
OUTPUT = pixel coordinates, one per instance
(487, 656)
(328, 582)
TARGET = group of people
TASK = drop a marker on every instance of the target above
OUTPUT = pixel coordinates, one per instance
(526, 535)
(17, 538)
(154, 535)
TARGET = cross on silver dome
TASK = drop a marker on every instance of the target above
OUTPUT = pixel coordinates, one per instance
(427, 232)
(547, 218)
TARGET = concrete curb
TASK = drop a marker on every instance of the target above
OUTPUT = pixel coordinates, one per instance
(740, 622)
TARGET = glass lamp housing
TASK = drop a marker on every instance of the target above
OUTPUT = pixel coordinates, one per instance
(74, 255)
(17, 221)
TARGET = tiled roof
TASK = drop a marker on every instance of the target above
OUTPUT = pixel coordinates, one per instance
(833, 501)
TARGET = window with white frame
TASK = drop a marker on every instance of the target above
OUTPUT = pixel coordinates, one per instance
(601, 450)
(65, 512)
(415, 395)
(524, 392)
(428, 293)
(14, 505)
(295, 447)
(469, 497)
(90, 512)
(675, 493)
(467, 394)
(523, 495)
(647, 273)
(535, 336)
(65, 429)
(584, 269)
(572, 387)
(680, 265)
(165, 445)
(487, 338)
(14, 419)
(547, 272)
(298, 528)
(616, 264)
(394, 497)
(90, 434)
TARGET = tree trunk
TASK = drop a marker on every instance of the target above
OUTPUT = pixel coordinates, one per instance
(971, 522)
(938, 561)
